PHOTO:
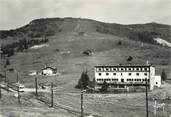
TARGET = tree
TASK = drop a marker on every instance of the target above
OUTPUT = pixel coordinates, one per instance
(129, 59)
(7, 62)
(25, 43)
(104, 87)
(163, 75)
(119, 42)
(83, 81)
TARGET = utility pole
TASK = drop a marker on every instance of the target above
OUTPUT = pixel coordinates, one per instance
(82, 111)
(36, 85)
(155, 107)
(82, 106)
(5, 76)
(17, 77)
(52, 94)
(146, 85)
(18, 94)
(0, 92)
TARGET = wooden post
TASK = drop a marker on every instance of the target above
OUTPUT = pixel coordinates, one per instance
(155, 108)
(7, 83)
(18, 94)
(17, 78)
(82, 111)
(0, 92)
(36, 85)
(5, 76)
(146, 97)
(52, 94)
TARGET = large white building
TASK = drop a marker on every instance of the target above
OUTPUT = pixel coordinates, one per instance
(125, 76)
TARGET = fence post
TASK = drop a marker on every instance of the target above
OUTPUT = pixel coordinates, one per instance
(146, 97)
(18, 94)
(82, 111)
(0, 92)
(155, 107)
(36, 85)
(52, 94)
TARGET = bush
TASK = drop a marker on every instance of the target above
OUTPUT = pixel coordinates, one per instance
(163, 76)
(7, 62)
(130, 58)
(104, 87)
(119, 42)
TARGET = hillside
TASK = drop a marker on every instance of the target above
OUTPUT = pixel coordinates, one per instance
(76, 35)
(60, 42)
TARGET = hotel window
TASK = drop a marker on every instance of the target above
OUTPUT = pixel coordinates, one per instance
(137, 74)
(121, 74)
(100, 74)
(129, 74)
(114, 73)
(145, 69)
(107, 69)
(114, 69)
(107, 74)
(100, 69)
(145, 74)
(129, 68)
(137, 69)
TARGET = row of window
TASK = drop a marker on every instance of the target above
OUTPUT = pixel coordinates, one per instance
(137, 80)
(140, 80)
(107, 79)
(123, 69)
(145, 74)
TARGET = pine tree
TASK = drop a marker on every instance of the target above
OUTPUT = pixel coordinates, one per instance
(83, 81)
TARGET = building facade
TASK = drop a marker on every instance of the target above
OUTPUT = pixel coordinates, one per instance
(125, 76)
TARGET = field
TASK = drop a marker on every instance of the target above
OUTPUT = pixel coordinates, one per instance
(107, 51)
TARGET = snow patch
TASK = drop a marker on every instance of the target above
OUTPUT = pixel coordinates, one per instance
(162, 42)
(39, 46)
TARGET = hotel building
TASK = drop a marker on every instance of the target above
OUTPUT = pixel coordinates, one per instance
(125, 76)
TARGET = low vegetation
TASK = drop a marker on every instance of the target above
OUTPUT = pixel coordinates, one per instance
(104, 87)
(163, 75)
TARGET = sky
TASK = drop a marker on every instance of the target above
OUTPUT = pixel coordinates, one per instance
(16, 13)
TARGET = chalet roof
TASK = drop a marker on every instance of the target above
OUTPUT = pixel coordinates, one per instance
(48, 67)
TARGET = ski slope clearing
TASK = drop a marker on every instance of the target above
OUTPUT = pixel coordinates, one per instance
(39, 46)
(162, 42)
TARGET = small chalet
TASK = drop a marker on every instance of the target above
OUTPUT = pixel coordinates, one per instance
(49, 71)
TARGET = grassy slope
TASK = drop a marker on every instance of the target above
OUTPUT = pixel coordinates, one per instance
(107, 52)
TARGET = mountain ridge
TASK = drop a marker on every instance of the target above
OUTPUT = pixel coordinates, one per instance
(52, 26)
